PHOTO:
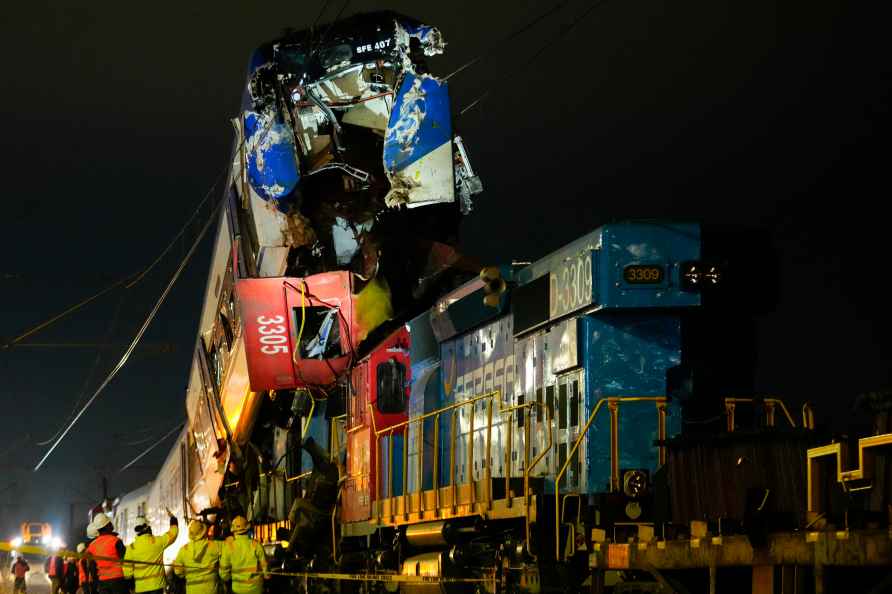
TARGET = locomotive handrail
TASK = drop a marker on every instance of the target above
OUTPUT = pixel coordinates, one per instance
(770, 403)
(611, 401)
(390, 430)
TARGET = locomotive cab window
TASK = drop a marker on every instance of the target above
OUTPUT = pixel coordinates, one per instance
(320, 337)
(391, 384)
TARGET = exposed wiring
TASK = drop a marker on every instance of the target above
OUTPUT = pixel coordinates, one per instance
(139, 334)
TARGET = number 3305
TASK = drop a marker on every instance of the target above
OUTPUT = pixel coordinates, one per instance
(272, 335)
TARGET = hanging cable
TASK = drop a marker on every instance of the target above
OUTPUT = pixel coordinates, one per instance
(181, 232)
(151, 447)
(548, 44)
(128, 281)
(139, 334)
(89, 378)
(66, 312)
(510, 37)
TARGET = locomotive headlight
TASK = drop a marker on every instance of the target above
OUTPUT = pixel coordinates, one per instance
(634, 483)
(697, 276)
(16, 542)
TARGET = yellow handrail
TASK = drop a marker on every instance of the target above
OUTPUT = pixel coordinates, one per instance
(614, 400)
(770, 403)
(392, 429)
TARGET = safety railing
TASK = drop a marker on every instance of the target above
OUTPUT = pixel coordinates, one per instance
(507, 417)
(769, 405)
(613, 403)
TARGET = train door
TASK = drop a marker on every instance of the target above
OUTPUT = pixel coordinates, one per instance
(356, 496)
(568, 409)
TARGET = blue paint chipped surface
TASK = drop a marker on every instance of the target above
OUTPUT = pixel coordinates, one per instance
(420, 121)
(272, 167)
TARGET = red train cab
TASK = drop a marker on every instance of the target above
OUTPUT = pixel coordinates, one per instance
(379, 398)
(298, 331)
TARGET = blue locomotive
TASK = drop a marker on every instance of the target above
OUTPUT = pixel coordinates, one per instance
(533, 404)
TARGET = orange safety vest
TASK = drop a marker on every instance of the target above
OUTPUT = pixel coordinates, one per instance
(21, 568)
(52, 563)
(83, 576)
(105, 551)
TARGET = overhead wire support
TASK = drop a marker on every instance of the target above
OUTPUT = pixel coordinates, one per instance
(139, 334)
(562, 32)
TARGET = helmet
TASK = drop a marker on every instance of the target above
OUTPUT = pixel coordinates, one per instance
(141, 521)
(100, 521)
(197, 530)
(91, 532)
(239, 525)
(81, 547)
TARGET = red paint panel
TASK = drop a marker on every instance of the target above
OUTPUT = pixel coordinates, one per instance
(396, 347)
(360, 488)
(264, 312)
(271, 313)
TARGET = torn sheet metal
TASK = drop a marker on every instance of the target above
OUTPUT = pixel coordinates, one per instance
(344, 124)
(347, 239)
(430, 39)
(418, 145)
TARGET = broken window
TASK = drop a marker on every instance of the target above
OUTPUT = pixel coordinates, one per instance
(319, 331)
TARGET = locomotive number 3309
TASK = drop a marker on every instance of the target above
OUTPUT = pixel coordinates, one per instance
(272, 330)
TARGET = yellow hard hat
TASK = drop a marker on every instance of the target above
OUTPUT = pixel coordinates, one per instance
(239, 525)
(197, 530)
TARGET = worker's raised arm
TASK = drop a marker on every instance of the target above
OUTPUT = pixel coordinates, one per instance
(171, 535)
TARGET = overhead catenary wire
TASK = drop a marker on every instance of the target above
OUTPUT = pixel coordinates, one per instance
(68, 311)
(510, 37)
(89, 377)
(152, 447)
(128, 281)
(180, 233)
(562, 32)
(138, 336)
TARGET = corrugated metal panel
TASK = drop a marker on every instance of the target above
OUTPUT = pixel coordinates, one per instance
(711, 478)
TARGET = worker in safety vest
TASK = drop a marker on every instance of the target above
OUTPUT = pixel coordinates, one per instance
(147, 554)
(55, 570)
(243, 560)
(107, 551)
(84, 575)
(199, 560)
(20, 569)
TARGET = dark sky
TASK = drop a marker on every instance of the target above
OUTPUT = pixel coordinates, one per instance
(765, 114)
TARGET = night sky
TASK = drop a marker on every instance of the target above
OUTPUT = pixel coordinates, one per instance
(757, 114)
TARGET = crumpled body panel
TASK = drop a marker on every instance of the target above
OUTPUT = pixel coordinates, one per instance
(418, 145)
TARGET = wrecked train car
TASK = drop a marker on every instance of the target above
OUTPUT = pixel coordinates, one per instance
(344, 135)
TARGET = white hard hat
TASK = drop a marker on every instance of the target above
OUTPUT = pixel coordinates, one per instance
(141, 521)
(100, 521)
(91, 532)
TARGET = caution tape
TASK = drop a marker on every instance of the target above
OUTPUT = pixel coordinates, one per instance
(352, 577)
(382, 577)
